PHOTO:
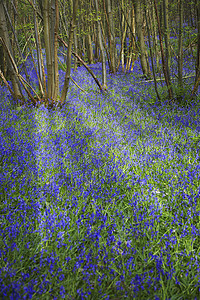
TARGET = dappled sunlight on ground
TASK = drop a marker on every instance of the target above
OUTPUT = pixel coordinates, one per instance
(100, 196)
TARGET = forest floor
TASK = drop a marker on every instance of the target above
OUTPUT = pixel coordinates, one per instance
(101, 199)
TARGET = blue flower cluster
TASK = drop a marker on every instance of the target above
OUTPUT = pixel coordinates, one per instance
(100, 200)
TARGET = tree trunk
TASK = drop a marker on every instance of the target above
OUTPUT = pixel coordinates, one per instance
(39, 51)
(89, 48)
(166, 75)
(151, 54)
(56, 74)
(52, 18)
(124, 28)
(155, 38)
(48, 49)
(103, 59)
(96, 50)
(166, 31)
(141, 42)
(197, 77)
(69, 52)
(75, 49)
(166, 37)
(88, 40)
(198, 41)
(180, 51)
(111, 37)
(2, 62)
(85, 65)
(5, 36)
(134, 52)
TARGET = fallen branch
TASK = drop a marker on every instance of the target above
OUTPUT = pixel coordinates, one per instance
(78, 85)
(22, 80)
(84, 64)
(71, 77)
(163, 79)
(6, 83)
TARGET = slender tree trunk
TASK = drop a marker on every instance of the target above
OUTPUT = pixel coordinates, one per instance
(2, 62)
(84, 64)
(15, 39)
(96, 52)
(166, 75)
(38, 48)
(133, 48)
(191, 15)
(197, 77)
(108, 31)
(89, 48)
(111, 38)
(198, 41)
(51, 24)
(166, 38)
(124, 28)
(105, 45)
(166, 32)
(129, 50)
(155, 38)
(69, 52)
(79, 42)
(180, 50)
(132, 32)
(48, 49)
(151, 54)
(83, 37)
(141, 42)
(56, 73)
(42, 84)
(13, 25)
(5, 36)
(75, 49)
(63, 20)
(103, 59)
(89, 39)
(52, 18)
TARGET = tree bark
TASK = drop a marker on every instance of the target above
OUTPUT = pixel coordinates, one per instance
(197, 69)
(111, 37)
(5, 36)
(69, 52)
(166, 75)
(103, 59)
(166, 32)
(75, 49)
(48, 50)
(151, 54)
(155, 38)
(139, 32)
(180, 51)
(198, 41)
(41, 79)
(133, 53)
(89, 48)
(56, 74)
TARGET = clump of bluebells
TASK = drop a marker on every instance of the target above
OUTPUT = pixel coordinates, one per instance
(100, 200)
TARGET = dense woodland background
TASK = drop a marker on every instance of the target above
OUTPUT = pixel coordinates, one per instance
(106, 31)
